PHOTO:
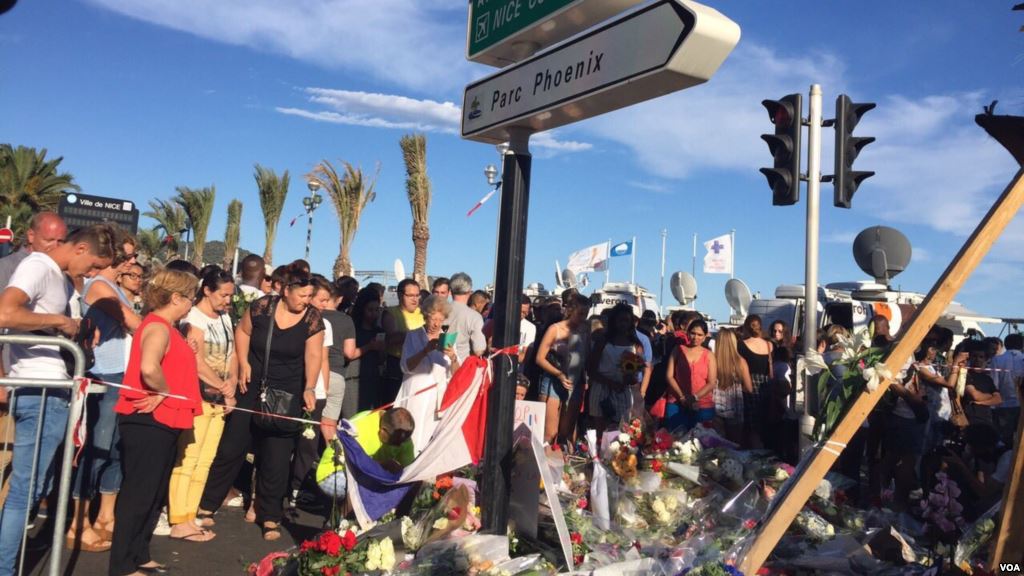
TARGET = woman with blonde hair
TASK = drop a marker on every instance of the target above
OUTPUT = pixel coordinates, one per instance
(733, 383)
(161, 400)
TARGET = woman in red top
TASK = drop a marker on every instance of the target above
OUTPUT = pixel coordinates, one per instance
(692, 375)
(160, 362)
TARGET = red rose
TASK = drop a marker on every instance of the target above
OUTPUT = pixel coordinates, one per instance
(632, 443)
(749, 523)
(576, 538)
(454, 513)
(330, 543)
(348, 540)
(656, 465)
(330, 570)
(583, 447)
(307, 545)
(582, 503)
(577, 559)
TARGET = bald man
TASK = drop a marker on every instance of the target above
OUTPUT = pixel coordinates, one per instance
(46, 231)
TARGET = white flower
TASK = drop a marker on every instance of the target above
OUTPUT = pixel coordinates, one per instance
(308, 433)
(387, 554)
(862, 339)
(874, 374)
(781, 475)
(623, 438)
(689, 450)
(440, 523)
(671, 504)
(373, 556)
(411, 535)
(658, 507)
(814, 362)
(614, 447)
(664, 517)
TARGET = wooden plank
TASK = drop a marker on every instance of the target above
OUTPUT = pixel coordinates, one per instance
(941, 294)
(1010, 539)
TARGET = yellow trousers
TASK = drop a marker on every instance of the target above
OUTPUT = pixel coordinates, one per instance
(196, 450)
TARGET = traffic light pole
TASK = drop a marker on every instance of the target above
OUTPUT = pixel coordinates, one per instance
(810, 328)
(508, 290)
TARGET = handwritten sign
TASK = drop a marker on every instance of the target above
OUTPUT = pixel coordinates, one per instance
(532, 415)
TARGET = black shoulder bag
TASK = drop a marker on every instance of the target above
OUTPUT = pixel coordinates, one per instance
(274, 400)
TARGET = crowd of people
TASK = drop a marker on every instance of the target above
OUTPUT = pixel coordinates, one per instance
(201, 380)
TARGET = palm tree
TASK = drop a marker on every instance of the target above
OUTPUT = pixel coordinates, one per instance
(198, 206)
(273, 190)
(30, 183)
(170, 220)
(417, 188)
(150, 243)
(350, 194)
(231, 232)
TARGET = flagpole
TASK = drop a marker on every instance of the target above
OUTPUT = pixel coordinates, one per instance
(732, 253)
(693, 264)
(608, 264)
(632, 272)
(661, 293)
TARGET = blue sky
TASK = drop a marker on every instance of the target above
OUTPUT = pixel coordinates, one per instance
(140, 96)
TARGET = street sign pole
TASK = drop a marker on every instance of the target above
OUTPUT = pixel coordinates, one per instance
(508, 289)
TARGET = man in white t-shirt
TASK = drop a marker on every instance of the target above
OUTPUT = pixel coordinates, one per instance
(36, 301)
(527, 330)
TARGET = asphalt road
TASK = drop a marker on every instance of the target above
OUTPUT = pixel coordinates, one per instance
(237, 544)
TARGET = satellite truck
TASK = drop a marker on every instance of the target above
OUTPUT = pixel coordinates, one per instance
(883, 253)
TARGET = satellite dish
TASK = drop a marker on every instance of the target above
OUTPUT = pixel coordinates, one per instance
(737, 294)
(684, 287)
(882, 252)
(399, 269)
(568, 278)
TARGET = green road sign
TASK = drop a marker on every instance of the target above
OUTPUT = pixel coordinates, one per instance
(501, 32)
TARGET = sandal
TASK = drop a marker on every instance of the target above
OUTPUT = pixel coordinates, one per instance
(202, 535)
(205, 519)
(76, 544)
(271, 533)
(156, 568)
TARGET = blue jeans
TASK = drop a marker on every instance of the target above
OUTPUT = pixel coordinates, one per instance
(677, 417)
(16, 508)
(100, 462)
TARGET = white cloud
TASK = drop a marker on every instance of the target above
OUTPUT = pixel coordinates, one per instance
(716, 125)
(414, 44)
(839, 237)
(392, 111)
(649, 186)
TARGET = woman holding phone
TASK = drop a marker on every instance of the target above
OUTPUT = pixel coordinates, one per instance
(427, 366)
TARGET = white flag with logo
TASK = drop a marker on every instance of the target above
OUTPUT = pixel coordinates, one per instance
(592, 259)
(718, 260)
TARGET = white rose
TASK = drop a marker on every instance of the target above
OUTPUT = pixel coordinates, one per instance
(614, 447)
(623, 438)
(658, 507)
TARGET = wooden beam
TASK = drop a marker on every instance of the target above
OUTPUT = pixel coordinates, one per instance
(1010, 539)
(941, 294)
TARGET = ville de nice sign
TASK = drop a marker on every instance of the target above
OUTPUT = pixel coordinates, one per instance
(645, 53)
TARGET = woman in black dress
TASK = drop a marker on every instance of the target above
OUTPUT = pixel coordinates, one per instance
(758, 353)
(291, 365)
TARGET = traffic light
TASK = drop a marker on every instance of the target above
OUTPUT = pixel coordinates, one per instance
(784, 176)
(846, 179)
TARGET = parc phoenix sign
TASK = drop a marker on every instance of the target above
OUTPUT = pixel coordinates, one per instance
(649, 52)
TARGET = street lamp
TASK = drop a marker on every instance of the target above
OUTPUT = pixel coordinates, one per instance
(491, 172)
(311, 202)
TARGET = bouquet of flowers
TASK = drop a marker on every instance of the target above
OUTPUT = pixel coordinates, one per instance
(630, 364)
(941, 511)
(333, 554)
(240, 302)
(975, 537)
(864, 370)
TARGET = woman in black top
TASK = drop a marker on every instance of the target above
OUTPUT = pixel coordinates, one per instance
(292, 365)
(758, 353)
(366, 367)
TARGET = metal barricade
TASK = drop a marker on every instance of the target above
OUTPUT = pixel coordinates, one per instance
(74, 409)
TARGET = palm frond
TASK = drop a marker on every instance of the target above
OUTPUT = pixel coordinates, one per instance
(273, 190)
(198, 206)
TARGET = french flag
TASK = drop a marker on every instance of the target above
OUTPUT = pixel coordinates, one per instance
(458, 441)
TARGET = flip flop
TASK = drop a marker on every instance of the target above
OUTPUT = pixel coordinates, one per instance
(271, 534)
(203, 535)
(101, 546)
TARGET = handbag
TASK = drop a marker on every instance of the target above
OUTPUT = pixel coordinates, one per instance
(274, 400)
